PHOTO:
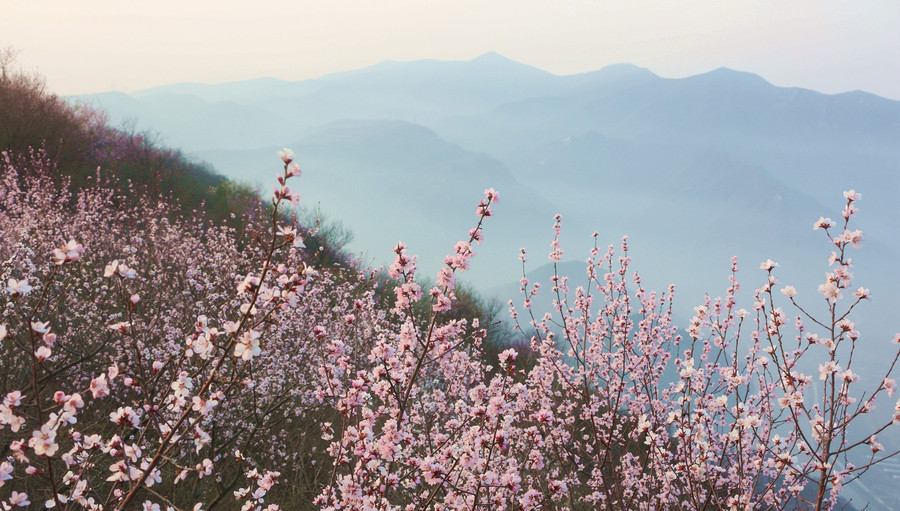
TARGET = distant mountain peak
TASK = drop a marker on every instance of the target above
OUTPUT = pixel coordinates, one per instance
(730, 76)
(624, 70)
(624, 67)
(497, 62)
(492, 56)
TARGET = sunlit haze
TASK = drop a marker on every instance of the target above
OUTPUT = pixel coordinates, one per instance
(98, 45)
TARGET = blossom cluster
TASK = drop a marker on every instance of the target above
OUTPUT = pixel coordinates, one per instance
(143, 353)
(156, 362)
(618, 408)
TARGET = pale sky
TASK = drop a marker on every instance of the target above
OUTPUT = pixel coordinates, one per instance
(99, 45)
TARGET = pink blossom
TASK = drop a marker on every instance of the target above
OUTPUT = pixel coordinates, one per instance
(827, 369)
(121, 326)
(17, 447)
(873, 442)
(230, 327)
(531, 500)
(43, 441)
(201, 438)
(855, 238)
(73, 403)
(8, 417)
(120, 472)
(18, 287)
(248, 284)
(40, 327)
(49, 339)
(791, 399)
(155, 476)
(823, 223)
(42, 353)
(13, 399)
(182, 385)
(831, 291)
(204, 406)
(69, 252)
(507, 355)
(205, 468)
(848, 376)
(6, 470)
(202, 345)
(99, 387)
(125, 416)
(852, 195)
(247, 346)
(120, 269)
(484, 207)
(287, 155)
(789, 291)
(289, 232)
(269, 480)
(889, 385)
(19, 499)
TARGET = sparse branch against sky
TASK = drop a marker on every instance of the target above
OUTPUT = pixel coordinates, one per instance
(98, 45)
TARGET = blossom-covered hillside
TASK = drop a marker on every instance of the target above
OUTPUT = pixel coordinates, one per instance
(157, 356)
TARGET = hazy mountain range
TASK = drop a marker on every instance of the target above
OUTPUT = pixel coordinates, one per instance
(694, 170)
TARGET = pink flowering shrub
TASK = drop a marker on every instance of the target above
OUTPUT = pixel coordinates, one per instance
(156, 362)
(142, 352)
(619, 411)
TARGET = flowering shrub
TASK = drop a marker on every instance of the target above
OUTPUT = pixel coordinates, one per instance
(142, 352)
(153, 362)
(729, 422)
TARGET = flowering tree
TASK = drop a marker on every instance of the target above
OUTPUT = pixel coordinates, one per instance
(156, 362)
(619, 410)
(153, 352)
(736, 426)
